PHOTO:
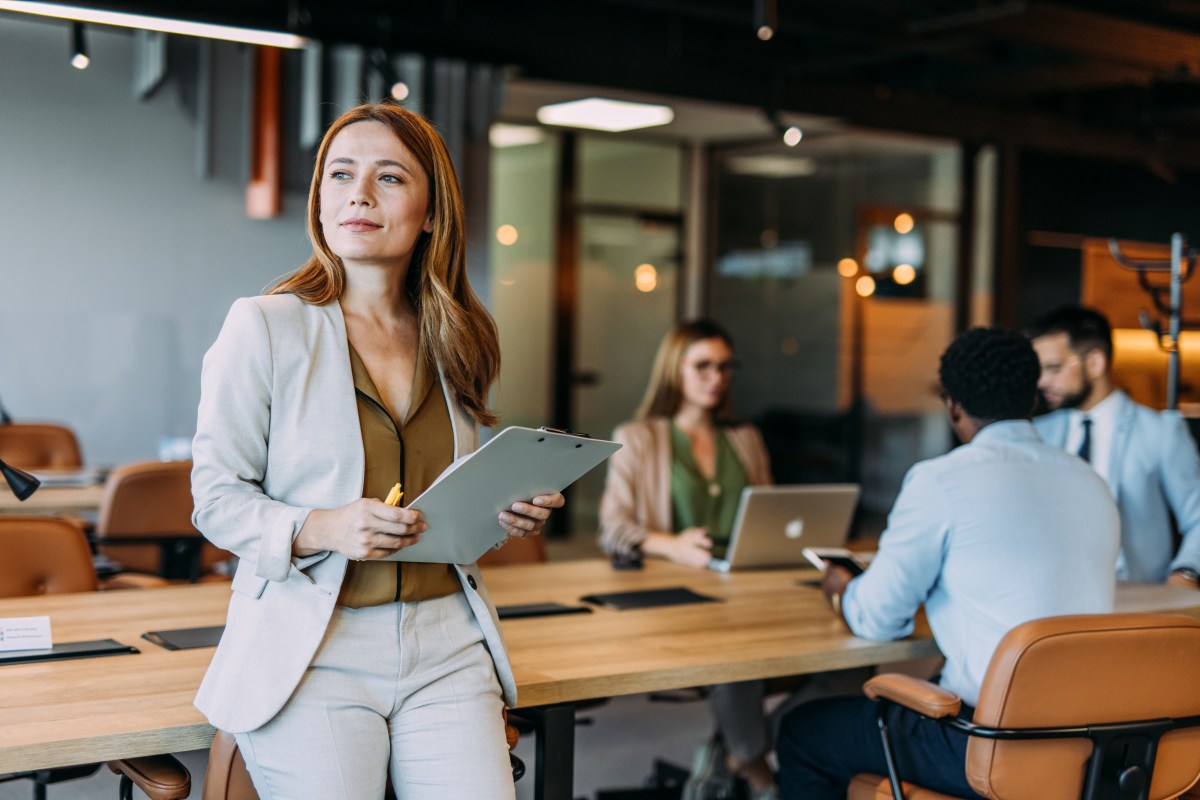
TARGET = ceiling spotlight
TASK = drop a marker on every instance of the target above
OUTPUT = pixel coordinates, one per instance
(791, 134)
(766, 19)
(79, 56)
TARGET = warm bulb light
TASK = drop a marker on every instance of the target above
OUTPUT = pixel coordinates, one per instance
(903, 223)
(865, 286)
(765, 32)
(792, 136)
(400, 90)
(847, 267)
(507, 235)
(904, 274)
(80, 61)
(645, 278)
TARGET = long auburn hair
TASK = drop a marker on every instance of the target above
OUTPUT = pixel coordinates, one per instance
(457, 330)
(664, 394)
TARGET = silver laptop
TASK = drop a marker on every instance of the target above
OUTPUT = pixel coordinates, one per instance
(775, 523)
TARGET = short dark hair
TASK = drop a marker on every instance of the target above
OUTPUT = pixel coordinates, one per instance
(992, 373)
(1086, 329)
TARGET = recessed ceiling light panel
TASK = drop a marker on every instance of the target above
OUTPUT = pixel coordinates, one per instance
(599, 114)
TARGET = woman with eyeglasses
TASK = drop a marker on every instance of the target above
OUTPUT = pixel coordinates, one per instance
(672, 492)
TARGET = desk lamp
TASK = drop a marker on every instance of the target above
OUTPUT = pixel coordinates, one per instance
(22, 483)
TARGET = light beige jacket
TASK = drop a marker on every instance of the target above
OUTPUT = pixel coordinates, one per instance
(277, 435)
(637, 492)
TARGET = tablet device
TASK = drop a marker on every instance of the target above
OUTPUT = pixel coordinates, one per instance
(462, 505)
(186, 638)
(822, 557)
(538, 610)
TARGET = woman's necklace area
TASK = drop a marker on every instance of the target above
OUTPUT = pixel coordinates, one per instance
(712, 485)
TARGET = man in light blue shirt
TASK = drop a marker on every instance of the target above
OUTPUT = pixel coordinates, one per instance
(1146, 457)
(1001, 530)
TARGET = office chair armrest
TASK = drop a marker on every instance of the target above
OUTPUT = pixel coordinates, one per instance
(921, 696)
(160, 777)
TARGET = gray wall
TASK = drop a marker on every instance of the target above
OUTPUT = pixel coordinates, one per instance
(117, 262)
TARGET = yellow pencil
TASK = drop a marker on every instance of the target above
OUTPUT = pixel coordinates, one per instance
(395, 496)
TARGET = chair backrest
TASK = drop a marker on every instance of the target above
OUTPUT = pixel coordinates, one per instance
(227, 777)
(43, 555)
(1086, 670)
(36, 446)
(529, 550)
(146, 500)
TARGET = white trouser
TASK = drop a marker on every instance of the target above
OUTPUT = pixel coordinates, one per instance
(410, 685)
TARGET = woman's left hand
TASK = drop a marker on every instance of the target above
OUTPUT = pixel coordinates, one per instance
(528, 519)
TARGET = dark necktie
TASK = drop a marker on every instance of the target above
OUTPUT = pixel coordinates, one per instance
(1085, 447)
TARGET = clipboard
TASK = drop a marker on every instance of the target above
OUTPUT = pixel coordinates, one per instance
(461, 506)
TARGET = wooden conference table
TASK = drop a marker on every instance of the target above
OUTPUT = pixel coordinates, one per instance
(53, 499)
(70, 712)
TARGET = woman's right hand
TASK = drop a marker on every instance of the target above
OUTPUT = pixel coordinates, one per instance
(361, 531)
(691, 547)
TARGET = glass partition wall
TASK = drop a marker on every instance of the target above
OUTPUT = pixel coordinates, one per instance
(585, 265)
(836, 265)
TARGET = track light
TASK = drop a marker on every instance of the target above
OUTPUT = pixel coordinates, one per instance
(766, 18)
(791, 134)
(79, 56)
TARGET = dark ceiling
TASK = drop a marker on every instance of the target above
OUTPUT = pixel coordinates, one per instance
(1113, 78)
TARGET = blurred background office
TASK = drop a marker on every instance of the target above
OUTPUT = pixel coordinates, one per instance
(844, 186)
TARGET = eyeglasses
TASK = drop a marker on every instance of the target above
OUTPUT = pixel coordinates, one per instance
(725, 368)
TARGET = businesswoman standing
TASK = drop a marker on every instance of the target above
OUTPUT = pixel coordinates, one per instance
(672, 492)
(369, 365)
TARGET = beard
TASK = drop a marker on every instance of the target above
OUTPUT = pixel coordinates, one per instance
(1075, 399)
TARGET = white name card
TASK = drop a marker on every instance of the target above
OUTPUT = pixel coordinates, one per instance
(25, 633)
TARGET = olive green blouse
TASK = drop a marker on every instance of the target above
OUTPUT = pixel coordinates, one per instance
(701, 502)
(413, 453)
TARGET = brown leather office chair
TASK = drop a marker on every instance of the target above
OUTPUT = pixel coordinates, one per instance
(1121, 681)
(43, 555)
(50, 555)
(530, 550)
(152, 501)
(29, 445)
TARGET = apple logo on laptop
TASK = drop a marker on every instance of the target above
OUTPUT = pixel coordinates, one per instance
(794, 529)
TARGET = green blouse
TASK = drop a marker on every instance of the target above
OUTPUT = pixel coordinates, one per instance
(700, 502)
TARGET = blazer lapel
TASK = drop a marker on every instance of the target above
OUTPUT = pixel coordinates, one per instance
(1120, 444)
(466, 432)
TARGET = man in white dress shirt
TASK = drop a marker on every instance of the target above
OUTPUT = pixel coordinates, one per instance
(1146, 457)
(999, 531)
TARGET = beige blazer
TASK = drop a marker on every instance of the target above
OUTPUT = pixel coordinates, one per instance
(637, 491)
(277, 435)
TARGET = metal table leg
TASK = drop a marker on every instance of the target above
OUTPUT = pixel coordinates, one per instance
(554, 731)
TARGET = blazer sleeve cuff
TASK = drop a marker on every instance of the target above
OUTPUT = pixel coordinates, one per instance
(275, 560)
